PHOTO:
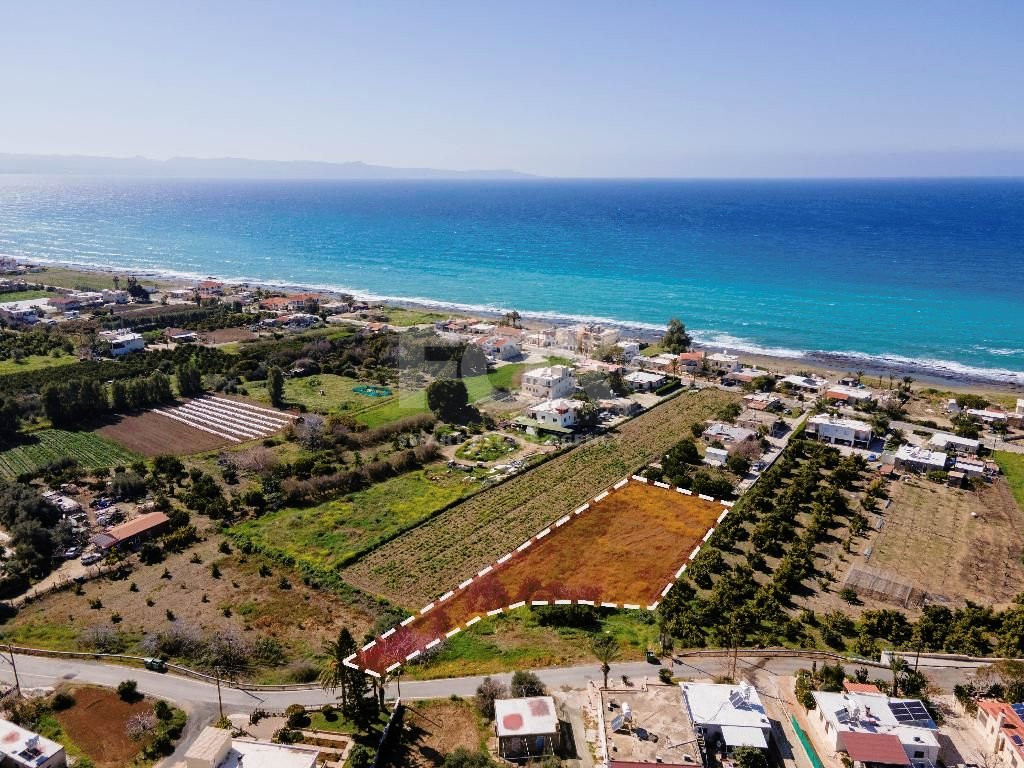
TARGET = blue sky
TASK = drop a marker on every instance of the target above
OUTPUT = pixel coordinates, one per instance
(557, 88)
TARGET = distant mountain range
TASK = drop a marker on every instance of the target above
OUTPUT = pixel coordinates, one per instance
(229, 168)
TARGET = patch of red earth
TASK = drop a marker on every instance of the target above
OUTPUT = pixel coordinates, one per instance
(623, 550)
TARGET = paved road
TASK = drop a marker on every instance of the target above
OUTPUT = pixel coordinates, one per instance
(37, 671)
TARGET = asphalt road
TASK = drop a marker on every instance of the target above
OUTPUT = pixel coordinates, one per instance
(201, 697)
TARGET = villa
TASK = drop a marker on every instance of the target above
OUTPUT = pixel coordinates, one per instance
(831, 429)
(944, 441)
(875, 729)
(123, 342)
(727, 433)
(1003, 727)
(763, 401)
(802, 383)
(839, 393)
(727, 717)
(644, 381)
(550, 383)
(558, 413)
(722, 362)
(500, 347)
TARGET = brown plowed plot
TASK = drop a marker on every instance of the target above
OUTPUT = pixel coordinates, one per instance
(96, 724)
(424, 562)
(428, 731)
(153, 435)
(622, 550)
(196, 425)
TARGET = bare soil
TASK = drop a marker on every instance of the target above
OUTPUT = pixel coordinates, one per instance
(430, 731)
(96, 723)
(153, 435)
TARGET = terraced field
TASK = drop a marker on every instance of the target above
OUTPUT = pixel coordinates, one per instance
(89, 449)
(423, 563)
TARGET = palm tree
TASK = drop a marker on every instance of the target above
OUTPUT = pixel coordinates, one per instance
(606, 649)
(334, 675)
(897, 665)
(860, 375)
(907, 381)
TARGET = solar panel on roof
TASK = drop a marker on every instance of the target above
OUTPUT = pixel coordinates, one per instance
(908, 711)
(1016, 739)
(1019, 709)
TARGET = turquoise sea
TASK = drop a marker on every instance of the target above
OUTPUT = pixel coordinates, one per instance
(921, 273)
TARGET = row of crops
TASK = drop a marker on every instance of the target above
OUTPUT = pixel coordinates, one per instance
(45, 446)
(429, 559)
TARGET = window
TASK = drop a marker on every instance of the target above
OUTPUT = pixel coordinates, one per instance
(918, 754)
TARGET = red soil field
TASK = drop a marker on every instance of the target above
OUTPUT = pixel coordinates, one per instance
(623, 550)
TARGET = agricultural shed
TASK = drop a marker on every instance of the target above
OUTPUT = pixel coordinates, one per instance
(138, 529)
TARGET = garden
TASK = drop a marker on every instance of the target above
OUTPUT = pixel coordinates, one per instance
(45, 446)
(489, 447)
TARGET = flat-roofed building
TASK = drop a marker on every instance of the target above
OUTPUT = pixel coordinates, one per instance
(645, 381)
(840, 393)
(526, 727)
(557, 413)
(549, 383)
(722, 362)
(832, 429)
(215, 748)
(22, 748)
(727, 716)
(918, 459)
(944, 441)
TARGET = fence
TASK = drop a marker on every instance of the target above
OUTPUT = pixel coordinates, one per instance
(387, 731)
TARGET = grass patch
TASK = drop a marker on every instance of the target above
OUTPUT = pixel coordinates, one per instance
(338, 394)
(1012, 466)
(35, 363)
(517, 641)
(338, 531)
(57, 636)
(402, 317)
(47, 445)
(338, 723)
(24, 296)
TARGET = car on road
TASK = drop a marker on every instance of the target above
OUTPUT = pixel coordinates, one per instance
(154, 664)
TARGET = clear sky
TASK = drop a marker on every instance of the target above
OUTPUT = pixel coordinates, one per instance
(556, 88)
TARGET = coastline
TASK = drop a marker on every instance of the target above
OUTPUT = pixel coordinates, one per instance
(937, 373)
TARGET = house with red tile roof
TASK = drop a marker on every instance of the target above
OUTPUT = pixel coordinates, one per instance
(1003, 727)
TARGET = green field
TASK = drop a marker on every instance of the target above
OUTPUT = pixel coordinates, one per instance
(1012, 465)
(47, 445)
(24, 296)
(401, 317)
(34, 363)
(335, 532)
(337, 395)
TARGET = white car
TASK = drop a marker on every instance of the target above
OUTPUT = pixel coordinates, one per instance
(92, 557)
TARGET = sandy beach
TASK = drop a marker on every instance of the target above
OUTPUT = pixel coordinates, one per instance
(829, 365)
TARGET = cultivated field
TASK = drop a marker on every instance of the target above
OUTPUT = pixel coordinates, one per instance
(622, 550)
(429, 731)
(47, 445)
(197, 425)
(930, 540)
(423, 563)
(335, 532)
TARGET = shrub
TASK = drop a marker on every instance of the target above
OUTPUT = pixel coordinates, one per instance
(163, 710)
(665, 675)
(62, 700)
(128, 690)
(486, 694)
(297, 717)
(526, 683)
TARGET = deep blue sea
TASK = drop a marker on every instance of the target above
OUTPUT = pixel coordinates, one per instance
(929, 272)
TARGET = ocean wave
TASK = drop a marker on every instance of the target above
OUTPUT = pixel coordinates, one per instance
(934, 366)
(738, 344)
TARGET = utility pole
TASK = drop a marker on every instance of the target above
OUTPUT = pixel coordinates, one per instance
(17, 682)
(220, 702)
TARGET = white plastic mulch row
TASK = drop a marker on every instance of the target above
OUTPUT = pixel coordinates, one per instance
(230, 419)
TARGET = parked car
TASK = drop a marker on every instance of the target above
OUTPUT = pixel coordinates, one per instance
(92, 557)
(72, 553)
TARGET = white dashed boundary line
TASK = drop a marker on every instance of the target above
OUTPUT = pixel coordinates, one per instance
(522, 603)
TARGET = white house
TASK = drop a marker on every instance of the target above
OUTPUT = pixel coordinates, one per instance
(803, 383)
(556, 413)
(729, 715)
(831, 429)
(840, 393)
(727, 433)
(722, 362)
(123, 342)
(549, 383)
(119, 296)
(214, 748)
(500, 347)
(1002, 726)
(943, 441)
(526, 727)
(988, 415)
(919, 459)
(21, 748)
(644, 381)
(868, 726)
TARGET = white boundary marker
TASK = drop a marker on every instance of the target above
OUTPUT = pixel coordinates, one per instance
(523, 547)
